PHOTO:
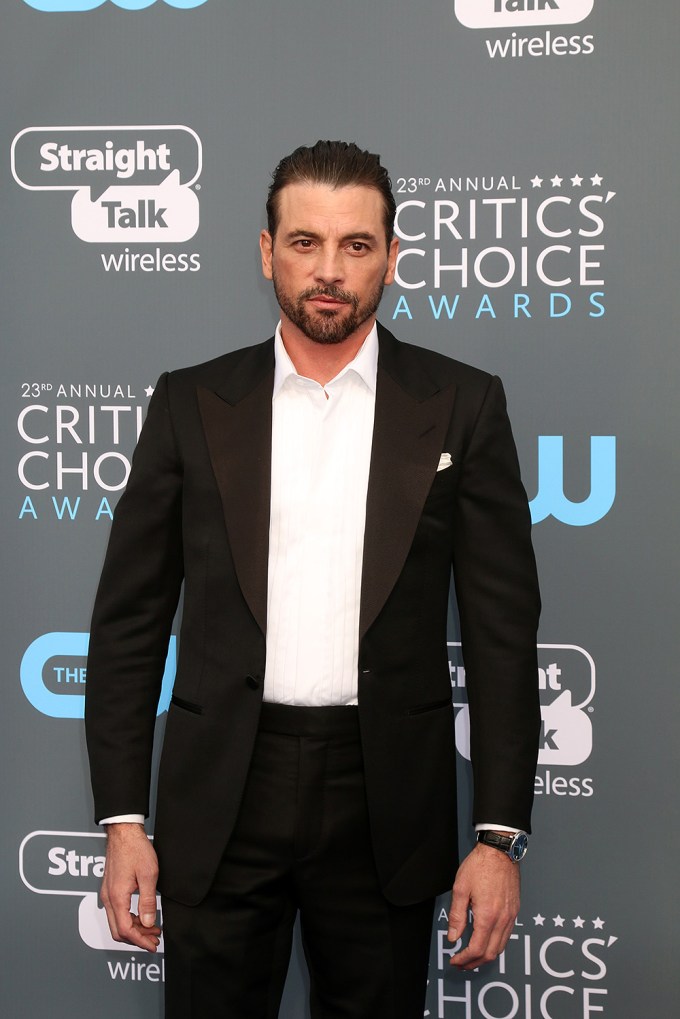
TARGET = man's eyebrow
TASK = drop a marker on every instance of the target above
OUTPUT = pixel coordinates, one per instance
(356, 235)
(302, 233)
(360, 235)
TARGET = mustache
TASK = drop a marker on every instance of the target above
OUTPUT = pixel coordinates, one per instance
(336, 293)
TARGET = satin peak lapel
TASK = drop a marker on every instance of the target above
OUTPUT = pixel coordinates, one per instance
(239, 443)
(408, 433)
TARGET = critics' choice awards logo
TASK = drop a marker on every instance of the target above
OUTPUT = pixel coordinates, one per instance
(53, 674)
(75, 447)
(89, 5)
(513, 246)
(71, 863)
(553, 967)
(566, 681)
(130, 185)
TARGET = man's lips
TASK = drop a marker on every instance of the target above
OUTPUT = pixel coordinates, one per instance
(327, 302)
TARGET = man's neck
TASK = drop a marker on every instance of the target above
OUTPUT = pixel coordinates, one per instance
(321, 361)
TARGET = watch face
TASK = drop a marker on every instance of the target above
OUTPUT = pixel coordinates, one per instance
(519, 846)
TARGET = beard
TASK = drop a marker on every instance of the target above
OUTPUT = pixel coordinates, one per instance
(326, 326)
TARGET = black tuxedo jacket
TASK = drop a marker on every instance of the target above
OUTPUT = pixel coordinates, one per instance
(196, 510)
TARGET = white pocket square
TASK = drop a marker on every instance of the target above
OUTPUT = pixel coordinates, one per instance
(444, 461)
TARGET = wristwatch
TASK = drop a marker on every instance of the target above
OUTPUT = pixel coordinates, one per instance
(514, 846)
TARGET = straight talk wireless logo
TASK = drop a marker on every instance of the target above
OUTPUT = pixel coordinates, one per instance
(521, 14)
(130, 185)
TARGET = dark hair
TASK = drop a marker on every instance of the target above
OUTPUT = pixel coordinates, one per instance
(337, 164)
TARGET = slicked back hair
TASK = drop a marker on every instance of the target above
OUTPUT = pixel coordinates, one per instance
(337, 165)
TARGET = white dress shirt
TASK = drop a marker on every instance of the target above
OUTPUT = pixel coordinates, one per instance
(321, 452)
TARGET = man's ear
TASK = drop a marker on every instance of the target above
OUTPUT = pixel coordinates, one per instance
(266, 250)
(392, 253)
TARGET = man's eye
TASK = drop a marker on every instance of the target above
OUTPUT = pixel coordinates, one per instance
(358, 246)
(304, 242)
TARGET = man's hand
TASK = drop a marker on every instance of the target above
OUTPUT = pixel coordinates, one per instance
(488, 883)
(131, 866)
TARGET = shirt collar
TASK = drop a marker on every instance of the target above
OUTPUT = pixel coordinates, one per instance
(365, 364)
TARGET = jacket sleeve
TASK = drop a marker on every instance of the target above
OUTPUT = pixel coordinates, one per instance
(133, 613)
(498, 602)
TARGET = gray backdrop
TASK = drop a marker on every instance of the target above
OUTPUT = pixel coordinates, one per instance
(549, 140)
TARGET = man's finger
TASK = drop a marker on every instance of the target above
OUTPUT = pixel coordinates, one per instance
(486, 944)
(129, 929)
(475, 954)
(147, 938)
(147, 902)
(122, 917)
(458, 914)
(111, 917)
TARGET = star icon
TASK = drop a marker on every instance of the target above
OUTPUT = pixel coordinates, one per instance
(148, 391)
(539, 920)
(596, 181)
(556, 181)
(598, 924)
(577, 181)
(578, 921)
(558, 920)
(536, 181)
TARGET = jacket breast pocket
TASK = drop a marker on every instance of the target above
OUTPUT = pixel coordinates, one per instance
(443, 486)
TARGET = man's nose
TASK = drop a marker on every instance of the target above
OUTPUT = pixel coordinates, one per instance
(329, 267)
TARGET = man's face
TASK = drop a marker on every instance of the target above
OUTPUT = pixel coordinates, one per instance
(329, 260)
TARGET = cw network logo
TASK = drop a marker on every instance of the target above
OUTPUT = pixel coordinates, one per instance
(131, 183)
(89, 5)
(54, 674)
(517, 13)
(550, 499)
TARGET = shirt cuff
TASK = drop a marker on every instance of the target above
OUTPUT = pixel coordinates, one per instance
(497, 827)
(123, 819)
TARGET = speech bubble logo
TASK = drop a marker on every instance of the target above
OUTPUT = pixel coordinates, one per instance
(510, 14)
(100, 157)
(64, 654)
(73, 6)
(567, 684)
(567, 733)
(162, 214)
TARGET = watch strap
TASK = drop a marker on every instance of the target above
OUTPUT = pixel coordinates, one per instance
(514, 846)
(495, 839)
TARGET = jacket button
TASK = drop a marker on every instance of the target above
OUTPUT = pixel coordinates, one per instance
(253, 682)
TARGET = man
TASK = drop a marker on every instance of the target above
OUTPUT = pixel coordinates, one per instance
(312, 494)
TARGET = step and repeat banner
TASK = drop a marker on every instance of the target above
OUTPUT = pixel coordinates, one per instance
(533, 148)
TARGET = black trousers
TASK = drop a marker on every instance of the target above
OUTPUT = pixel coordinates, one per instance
(301, 843)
